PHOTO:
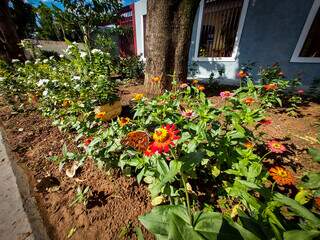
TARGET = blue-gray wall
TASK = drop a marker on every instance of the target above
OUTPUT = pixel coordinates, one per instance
(270, 34)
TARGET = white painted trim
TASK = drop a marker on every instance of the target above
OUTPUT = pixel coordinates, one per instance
(295, 56)
(236, 42)
(142, 37)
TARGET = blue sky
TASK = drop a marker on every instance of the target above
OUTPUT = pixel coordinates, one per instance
(49, 2)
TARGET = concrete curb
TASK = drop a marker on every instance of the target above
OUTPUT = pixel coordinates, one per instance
(19, 217)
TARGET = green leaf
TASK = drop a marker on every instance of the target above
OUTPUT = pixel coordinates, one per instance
(138, 233)
(208, 224)
(173, 222)
(301, 235)
(303, 196)
(191, 160)
(296, 208)
(249, 184)
(315, 153)
(310, 181)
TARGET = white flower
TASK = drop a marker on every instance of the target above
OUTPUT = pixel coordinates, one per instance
(51, 57)
(61, 56)
(37, 61)
(96, 51)
(45, 61)
(76, 78)
(27, 62)
(45, 93)
(15, 60)
(39, 46)
(83, 54)
(42, 82)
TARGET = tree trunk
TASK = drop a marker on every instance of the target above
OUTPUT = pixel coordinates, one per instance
(9, 39)
(168, 36)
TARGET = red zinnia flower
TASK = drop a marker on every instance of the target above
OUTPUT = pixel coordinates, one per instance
(149, 152)
(88, 141)
(265, 121)
(226, 94)
(282, 176)
(271, 86)
(276, 146)
(163, 138)
(249, 100)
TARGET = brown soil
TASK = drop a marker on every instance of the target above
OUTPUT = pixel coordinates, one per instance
(117, 201)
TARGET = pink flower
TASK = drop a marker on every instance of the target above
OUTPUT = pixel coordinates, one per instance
(276, 147)
(300, 91)
(188, 113)
(226, 94)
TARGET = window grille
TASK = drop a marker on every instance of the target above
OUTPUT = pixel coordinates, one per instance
(219, 27)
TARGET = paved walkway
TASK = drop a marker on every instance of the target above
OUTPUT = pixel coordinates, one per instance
(15, 221)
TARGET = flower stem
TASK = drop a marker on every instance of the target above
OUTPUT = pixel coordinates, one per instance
(187, 196)
(263, 157)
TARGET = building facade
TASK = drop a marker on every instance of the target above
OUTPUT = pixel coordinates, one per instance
(228, 34)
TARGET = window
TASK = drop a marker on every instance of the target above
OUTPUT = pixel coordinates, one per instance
(308, 46)
(219, 28)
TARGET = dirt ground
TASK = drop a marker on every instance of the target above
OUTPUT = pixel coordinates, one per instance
(117, 200)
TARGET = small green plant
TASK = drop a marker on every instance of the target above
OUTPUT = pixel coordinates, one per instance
(81, 196)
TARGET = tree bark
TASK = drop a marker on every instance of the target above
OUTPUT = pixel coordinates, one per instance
(168, 36)
(9, 39)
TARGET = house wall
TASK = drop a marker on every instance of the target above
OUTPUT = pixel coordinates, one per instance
(140, 10)
(270, 34)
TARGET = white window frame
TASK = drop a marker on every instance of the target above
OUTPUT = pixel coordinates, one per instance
(306, 28)
(142, 37)
(236, 42)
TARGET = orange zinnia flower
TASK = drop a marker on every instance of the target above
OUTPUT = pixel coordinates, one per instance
(317, 202)
(271, 86)
(276, 146)
(282, 176)
(101, 115)
(242, 74)
(163, 138)
(249, 100)
(200, 87)
(249, 145)
(156, 79)
(138, 96)
(195, 81)
(66, 103)
(123, 121)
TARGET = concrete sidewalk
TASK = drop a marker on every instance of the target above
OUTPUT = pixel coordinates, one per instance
(19, 218)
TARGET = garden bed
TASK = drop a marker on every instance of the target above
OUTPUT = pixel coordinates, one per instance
(117, 201)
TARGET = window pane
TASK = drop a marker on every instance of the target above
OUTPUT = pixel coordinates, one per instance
(311, 47)
(219, 27)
